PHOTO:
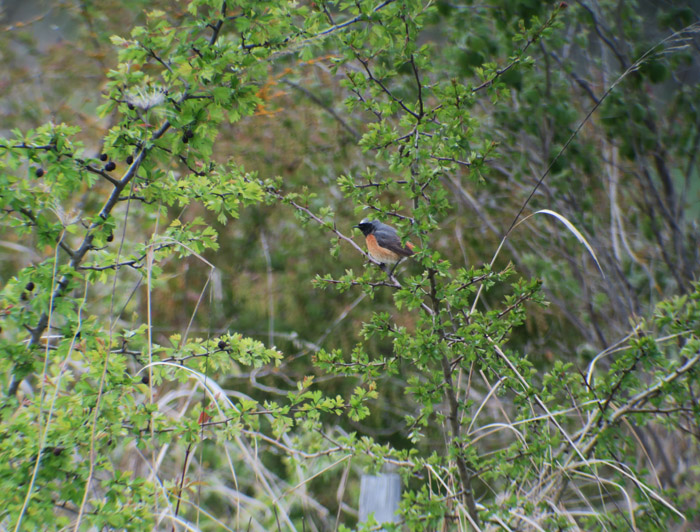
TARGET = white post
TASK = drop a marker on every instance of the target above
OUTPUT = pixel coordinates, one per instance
(380, 496)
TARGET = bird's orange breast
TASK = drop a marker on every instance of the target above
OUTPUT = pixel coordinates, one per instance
(379, 253)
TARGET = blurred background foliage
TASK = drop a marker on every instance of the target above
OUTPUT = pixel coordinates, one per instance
(628, 181)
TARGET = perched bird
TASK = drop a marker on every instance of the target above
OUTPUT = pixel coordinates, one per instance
(383, 243)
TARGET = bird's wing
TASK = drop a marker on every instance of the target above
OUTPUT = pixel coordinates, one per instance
(387, 238)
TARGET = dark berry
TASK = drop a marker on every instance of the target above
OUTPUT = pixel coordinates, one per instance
(110, 237)
(110, 166)
(57, 451)
(189, 133)
(103, 157)
(39, 172)
(145, 379)
(29, 287)
(185, 140)
(222, 344)
(129, 159)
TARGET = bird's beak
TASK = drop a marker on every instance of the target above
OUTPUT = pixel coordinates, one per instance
(355, 226)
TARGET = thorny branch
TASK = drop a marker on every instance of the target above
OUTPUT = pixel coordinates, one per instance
(454, 415)
(113, 199)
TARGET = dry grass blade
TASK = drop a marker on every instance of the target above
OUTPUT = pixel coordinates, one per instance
(213, 389)
(572, 229)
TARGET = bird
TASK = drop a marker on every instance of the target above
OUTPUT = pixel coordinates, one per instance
(383, 243)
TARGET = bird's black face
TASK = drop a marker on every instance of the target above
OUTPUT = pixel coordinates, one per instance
(366, 226)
